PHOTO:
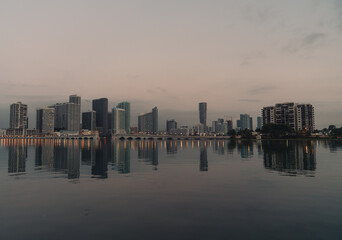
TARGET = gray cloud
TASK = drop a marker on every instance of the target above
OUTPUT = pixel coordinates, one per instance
(308, 42)
(261, 90)
(249, 100)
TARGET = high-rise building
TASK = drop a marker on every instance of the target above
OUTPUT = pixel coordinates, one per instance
(203, 114)
(250, 123)
(305, 117)
(259, 122)
(171, 125)
(75, 99)
(286, 114)
(245, 122)
(268, 115)
(127, 107)
(297, 116)
(67, 116)
(45, 122)
(118, 120)
(148, 122)
(101, 108)
(18, 116)
(89, 120)
(110, 122)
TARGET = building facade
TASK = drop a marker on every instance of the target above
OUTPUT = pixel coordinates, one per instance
(89, 120)
(100, 106)
(297, 116)
(127, 107)
(45, 121)
(148, 122)
(119, 121)
(203, 113)
(18, 116)
(171, 125)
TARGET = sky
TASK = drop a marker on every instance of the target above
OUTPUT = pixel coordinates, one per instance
(236, 55)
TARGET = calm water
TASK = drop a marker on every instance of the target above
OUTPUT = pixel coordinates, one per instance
(170, 190)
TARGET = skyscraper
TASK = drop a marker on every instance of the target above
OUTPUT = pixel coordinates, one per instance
(259, 122)
(75, 99)
(89, 120)
(18, 116)
(67, 116)
(203, 114)
(101, 108)
(45, 122)
(305, 117)
(245, 122)
(171, 125)
(127, 107)
(118, 120)
(148, 122)
(268, 115)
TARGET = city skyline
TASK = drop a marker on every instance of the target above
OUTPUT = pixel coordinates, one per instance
(236, 56)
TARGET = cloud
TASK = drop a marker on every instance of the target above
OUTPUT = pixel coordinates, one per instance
(261, 90)
(308, 42)
(249, 100)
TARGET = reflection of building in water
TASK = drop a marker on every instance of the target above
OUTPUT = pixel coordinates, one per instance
(231, 145)
(44, 154)
(333, 145)
(245, 148)
(122, 156)
(88, 152)
(102, 157)
(17, 154)
(148, 150)
(291, 157)
(67, 158)
(218, 147)
(203, 157)
(171, 147)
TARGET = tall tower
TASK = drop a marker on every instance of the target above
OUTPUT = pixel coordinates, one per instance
(127, 107)
(18, 116)
(101, 108)
(203, 114)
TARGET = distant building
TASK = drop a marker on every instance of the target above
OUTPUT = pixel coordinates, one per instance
(246, 122)
(100, 106)
(110, 122)
(18, 116)
(203, 114)
(89, 120)
(220, 127)
(305, 117)
(297, 116)
(67, 116)
(259, 122)
(229, 125)
(127, 107)
(268, 115)
(45, 121)
(75, 99)
(148, 122)
(170, 125)
(118, 120)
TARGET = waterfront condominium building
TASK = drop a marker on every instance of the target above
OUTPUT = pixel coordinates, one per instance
(45, 121)
(148, 122)
(118, 116)
(305, 117)
(100, 106)
(297, 116)
(203, 114)
(268, 115)
(18, 116)
(127, 107)
(67, 116)
(171, 125)
(89, 120)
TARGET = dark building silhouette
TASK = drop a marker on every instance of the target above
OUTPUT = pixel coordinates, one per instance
(171, 125)
(100, 106)
(203, 114)
(89, 120)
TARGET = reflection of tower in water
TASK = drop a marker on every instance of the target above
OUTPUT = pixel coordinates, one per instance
(67, 158)
(245, 148)
(122, 156)
(148, 151)
(44, 156)
(290, 157)
(102, 157)
(171, 147)
(17, 154)
(203, 156)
